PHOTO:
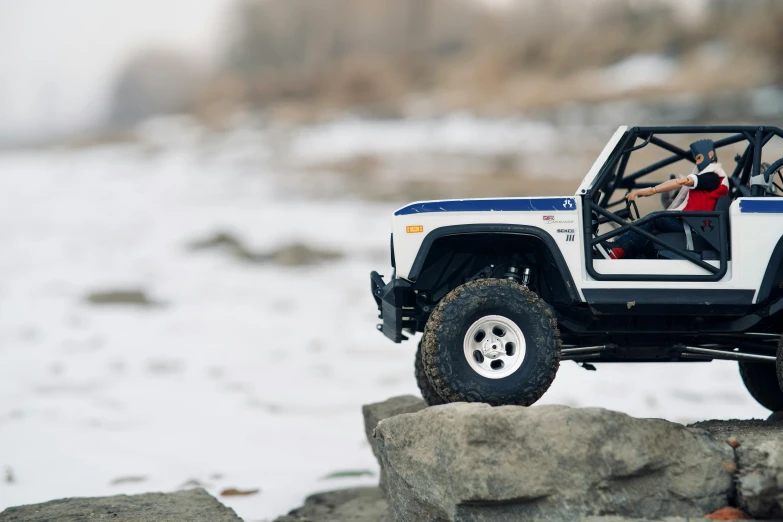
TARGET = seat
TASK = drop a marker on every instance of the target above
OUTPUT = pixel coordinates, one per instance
(690, 240)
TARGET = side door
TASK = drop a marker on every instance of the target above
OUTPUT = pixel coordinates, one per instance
(675, 276)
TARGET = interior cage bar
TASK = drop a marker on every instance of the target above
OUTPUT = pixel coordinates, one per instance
(627, 181)
(756, 136)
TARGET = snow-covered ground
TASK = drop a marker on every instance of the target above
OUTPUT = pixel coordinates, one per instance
(244, 375)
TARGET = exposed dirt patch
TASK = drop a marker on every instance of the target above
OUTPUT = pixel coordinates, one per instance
(131, 479)
(233, 492)
(292, 254)
(130, 297)
(348, 474)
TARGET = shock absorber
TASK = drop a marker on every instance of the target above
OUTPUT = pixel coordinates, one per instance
(514, 274)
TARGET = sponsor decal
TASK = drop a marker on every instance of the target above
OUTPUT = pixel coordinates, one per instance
(570, 233)
(549, 218)
(707, 223)
(568, 204)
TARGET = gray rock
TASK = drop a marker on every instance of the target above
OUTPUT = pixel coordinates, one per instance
(665, 519)
(376, 412)
(759, 459)
(776, 417)
(471, 462)
(347, 505)
(625, 519)
(194, 505)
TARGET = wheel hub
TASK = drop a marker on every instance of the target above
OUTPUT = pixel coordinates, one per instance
(494, 347)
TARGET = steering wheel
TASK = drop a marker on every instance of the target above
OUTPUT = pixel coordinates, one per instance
(632, 205)
(738, 189)
(775, 168)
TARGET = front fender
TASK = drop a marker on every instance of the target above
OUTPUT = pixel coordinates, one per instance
(522, 230)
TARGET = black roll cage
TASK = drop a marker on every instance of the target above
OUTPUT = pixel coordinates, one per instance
(613, 172)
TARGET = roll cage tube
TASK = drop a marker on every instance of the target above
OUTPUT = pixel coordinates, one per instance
(716, 273)
(611, 177)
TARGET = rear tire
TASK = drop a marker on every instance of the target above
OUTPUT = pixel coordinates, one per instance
(762, 381)
(492, 341)
(428, 393)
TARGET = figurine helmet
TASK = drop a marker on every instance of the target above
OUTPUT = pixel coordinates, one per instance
(704, 153)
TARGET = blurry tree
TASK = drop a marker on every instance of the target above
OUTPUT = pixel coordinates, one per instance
(298, 48)
(754, 28)
(373, 53)
(155, 81)
(417, 36)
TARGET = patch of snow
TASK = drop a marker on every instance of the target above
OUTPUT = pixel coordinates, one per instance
(456, 134)
(767, 102)
(637, 71)
(246, 376)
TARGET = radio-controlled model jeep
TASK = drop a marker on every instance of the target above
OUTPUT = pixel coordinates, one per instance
(505, 289)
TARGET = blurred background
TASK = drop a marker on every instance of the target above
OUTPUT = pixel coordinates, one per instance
(193, 192)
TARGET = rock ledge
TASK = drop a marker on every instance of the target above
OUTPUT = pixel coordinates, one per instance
(193, 505)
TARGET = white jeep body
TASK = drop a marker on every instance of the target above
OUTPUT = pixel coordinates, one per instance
(758, 230)
(716, 285)
(505, 289)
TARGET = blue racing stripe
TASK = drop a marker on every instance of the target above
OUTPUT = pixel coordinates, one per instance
(761, 206)
(491, 205)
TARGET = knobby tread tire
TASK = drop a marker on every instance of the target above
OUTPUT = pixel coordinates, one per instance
(763, 380)
(428, 393)
(442, 344)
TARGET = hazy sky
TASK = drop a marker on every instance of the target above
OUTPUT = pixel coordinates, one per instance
(58, 57)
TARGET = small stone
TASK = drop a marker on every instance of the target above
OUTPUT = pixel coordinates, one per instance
(730, 467)
(734, 443)
(728, 513)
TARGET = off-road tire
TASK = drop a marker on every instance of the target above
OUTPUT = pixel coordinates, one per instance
(428, 393)
(449, 372)
(762, 381)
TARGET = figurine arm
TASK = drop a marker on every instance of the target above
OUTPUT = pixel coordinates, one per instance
(666, 186)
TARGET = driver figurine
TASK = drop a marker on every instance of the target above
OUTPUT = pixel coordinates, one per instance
(699, 191)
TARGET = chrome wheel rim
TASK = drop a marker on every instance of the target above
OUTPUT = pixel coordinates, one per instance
(494, 347)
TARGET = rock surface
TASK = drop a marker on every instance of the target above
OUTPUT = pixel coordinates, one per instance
(347, 505)
(759, 461)
(376, 412)
(194, 505)
(471, 462)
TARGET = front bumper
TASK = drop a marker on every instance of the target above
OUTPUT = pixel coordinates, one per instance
(395, 302)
